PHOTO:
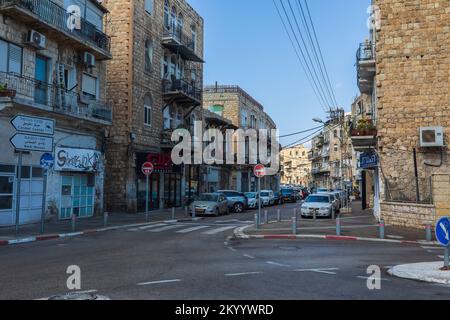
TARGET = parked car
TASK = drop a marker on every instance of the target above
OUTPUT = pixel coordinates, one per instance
(323, 190)
(278, 198)
(237, 201)
(335, 200)
(320, 204)
(288, 195)
(253, 199)
(267, 198)
(210, 204)
(338, 195)
(305, 193)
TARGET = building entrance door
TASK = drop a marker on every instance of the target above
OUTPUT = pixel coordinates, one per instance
(6, 199)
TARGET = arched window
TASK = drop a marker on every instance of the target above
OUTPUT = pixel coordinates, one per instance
(167, 15)
(167, 116)
(148, 110)
(148, 55)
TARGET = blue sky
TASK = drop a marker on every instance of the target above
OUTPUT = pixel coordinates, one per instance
(245, 44)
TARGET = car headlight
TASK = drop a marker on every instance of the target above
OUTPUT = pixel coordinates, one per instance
(210, 209)
(324, 208)
(304, 209)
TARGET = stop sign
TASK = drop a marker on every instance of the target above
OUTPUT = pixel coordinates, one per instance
(147, 168)
(259, 170)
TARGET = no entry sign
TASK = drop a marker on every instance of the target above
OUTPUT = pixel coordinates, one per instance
(147, 168)
(259, 170)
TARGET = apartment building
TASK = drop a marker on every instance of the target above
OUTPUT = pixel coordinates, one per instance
(236, 105)
(296, 166)
(403, 67)
(155, 86)
(53, 56)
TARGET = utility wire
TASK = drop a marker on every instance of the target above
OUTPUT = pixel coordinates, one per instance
(300, 132)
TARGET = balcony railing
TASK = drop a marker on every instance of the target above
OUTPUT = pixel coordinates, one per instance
(363, 133)
(32, 92)
(181, 91)
(366, 67)
(56, 16)
(175, 39)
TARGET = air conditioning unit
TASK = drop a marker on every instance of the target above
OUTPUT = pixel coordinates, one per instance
(89, 59)
(36, 39)
(431, 137)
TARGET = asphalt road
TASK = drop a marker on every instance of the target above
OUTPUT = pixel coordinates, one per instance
(198, 261)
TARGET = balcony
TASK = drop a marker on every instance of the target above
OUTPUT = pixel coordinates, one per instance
(177, 41)
(366, 67)
(363, 134)
(319, 141)
(48, 17)
(182, 92)
(40, 95)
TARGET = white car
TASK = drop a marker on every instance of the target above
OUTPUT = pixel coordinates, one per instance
(267, 198)
(320, 205)
(253, 198)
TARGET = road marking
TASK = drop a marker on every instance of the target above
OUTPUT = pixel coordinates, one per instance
(158, 282)
(319, 270)
(441, 257)
(431, 248)
(148, 227)
(232, 249)
(192, 229)
(366, 278)
(277, 264)
(166, 228)
(395, 237)
(249, 256)
(242, 274)
(218, 230)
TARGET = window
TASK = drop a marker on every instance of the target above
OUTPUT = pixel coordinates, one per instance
(217, 109)
(336, 148)
(194, 37)
(167, 118)
(149, 6)
(89, 85)
(244, 118)
(173, 18)
(89, 11)
(166, 15)
(148, 55)
(10, 57)
(148, 110)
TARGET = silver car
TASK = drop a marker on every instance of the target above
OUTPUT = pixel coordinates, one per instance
(320, 205)
(237, 201)
(210, 204)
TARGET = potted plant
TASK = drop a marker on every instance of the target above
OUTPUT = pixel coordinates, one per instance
(5, 92)
(364, 127)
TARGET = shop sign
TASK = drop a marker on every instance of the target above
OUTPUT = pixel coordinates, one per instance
(80, 160)
(368, 160)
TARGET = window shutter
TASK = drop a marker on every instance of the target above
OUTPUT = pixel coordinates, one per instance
(15, 59)
(3, 56)
(89, 85)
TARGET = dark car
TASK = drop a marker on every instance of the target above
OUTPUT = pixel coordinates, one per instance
(288, 195)
(278, 198)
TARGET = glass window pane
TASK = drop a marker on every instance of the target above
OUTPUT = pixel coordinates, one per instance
(6, 168)
(6, 184)
(76, 191)
(66, 180)
(90, 201)
(37, 172)
(25, 172)
(6, 202)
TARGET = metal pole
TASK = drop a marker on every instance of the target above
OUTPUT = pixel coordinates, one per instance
(446, 254)
(416, 173)
(338, 226)
(333, 213)
(266, 217)
(193, 211)
(105, 219)
(19, 177)
(278, 215)
(382, 227)
(256, 221)
(428, 236)
(173, 213)
(146, 196)
(294, 225)
(44, 198)
(259, 202)
(74, 221)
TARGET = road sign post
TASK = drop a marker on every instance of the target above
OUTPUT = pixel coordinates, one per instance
(19, 182)
(147, 170)
(443, 236)
(47, 163)
(259, 171)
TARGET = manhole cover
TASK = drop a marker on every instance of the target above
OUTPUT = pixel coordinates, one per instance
(79, 296)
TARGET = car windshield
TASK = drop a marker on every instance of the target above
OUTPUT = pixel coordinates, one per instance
(208, 197)
(321, 199)
(287, 191)
(322, 190)
(250, 195)
(264, 194)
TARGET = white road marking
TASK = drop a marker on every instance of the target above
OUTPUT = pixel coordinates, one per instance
(277, 264)
(148, 227)
(249, 256)
(166, 228)
(158, 282)
(242, 274)
(441, 257)
(365, 278)
(232, 249)
(218, 230)
(394, 237)
(431, 248)
(319, 270)
(192, 229)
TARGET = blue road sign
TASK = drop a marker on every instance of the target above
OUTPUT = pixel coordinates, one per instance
(443, 231)
(47, 161)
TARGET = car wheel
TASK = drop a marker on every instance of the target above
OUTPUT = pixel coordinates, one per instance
(217, 212)
(238, 208)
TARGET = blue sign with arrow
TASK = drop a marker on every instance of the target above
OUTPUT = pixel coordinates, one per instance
(443, 231)
(47, 161)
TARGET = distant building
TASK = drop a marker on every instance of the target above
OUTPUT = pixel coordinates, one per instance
(296, 166)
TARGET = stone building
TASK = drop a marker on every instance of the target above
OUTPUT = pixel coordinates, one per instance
(53, 66)
(155, 86)
(236, 105)
(404, 66)
(296, 166)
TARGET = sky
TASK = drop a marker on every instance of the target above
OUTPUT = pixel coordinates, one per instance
(246, 45)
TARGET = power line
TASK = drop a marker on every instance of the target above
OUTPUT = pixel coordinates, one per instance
(300, 132)
(302, 140)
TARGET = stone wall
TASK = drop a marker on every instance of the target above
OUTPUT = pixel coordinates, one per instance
(441, 194)
(407, 215)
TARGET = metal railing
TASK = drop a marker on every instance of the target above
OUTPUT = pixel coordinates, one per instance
(365, 52)
(179, 85)
(176, 33)
(57, 16)
(34, 92)
(405, 191)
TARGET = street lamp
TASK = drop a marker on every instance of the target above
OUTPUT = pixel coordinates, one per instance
(318, 120)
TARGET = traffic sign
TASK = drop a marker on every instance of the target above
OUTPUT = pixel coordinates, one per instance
(29, 142)
(37, 125)
(443, 231)
(259, 171)
(47, 161)
(147, 168)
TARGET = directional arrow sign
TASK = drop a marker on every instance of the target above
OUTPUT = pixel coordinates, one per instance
(33, 124)
(29, 142)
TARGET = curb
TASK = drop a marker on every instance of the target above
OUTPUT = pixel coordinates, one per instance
(86, 232)
(240, 234)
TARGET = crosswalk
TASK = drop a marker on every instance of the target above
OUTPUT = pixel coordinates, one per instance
(435, 250)
(185, 228)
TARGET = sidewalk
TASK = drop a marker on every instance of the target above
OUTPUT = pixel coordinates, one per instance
(355, 225)
(425, 271)
(63, 228)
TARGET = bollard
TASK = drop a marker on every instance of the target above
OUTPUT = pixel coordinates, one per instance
(278, 215)
(74, 221)
(382, 227)
(186, 210)
(428, 236)
(338, 226)
(105, 219)
(256, 221)
(266, 217)
(173, 213)
(333, 213)
(193, 211)
(314, 215)
(294, 225)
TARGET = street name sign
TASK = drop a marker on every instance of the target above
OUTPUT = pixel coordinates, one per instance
(36, 125)
(29, 142)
